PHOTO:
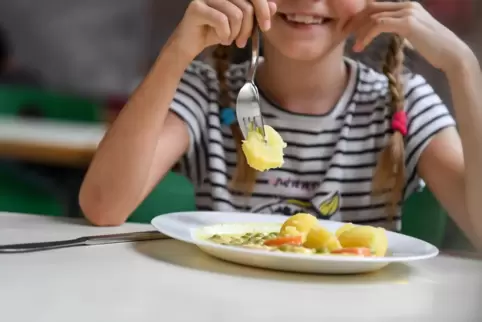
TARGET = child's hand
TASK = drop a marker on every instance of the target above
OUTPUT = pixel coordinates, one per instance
(212, 22)
(436, 43)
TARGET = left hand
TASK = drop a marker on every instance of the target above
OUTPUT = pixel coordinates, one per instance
(436, 43)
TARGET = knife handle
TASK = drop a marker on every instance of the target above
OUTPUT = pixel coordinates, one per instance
(35, 247)
(82, 241)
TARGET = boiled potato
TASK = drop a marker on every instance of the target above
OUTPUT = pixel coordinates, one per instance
(264, 153)
(344, 228)
(321, 238)
(299, 224)
(382, 243)
(365, 236)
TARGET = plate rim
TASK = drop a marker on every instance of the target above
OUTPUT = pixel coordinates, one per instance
(318, 258)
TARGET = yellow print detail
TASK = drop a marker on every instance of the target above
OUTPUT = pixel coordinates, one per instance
(330, 205)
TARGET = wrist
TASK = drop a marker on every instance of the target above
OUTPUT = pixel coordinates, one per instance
(182, 43)
(463, 62)
(176, 52)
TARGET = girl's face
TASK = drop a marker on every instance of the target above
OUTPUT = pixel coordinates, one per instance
(309, 29)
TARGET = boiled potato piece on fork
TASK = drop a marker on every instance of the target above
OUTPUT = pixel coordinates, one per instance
(263, 155)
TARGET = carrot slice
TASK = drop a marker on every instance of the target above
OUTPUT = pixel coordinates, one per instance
(284, 240)
(358, 251)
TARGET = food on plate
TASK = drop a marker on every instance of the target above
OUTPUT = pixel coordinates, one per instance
(358, 251)
(343, 228)
(264, 154)
(322, 239)
(296, 240)
(369, 237)
(303, 233)
(299, 224)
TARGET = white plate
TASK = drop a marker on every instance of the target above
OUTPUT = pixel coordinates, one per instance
(191, 226)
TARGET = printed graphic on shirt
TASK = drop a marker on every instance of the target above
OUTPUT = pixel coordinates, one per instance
(286, 207)
(306, 185)
(330, 205)
(289, 207)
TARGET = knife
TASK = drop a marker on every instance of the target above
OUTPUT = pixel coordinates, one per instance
(82, 241)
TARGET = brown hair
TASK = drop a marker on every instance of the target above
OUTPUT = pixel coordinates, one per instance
(390, 169)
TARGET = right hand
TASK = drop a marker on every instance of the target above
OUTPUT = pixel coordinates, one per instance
(211, 22)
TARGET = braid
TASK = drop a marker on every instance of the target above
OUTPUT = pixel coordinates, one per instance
(244, 177)
(390, 170)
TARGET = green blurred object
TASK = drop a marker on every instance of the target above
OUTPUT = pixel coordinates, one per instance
(16, 101)
(21, 197)
(27, 195)
(455, 238)
(424, 218)
(174, 193)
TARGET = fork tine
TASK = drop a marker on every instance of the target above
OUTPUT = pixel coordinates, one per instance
(255, 122)
(246, 124)
(260, 124)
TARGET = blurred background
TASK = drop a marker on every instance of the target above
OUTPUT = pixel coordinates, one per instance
(68, 66)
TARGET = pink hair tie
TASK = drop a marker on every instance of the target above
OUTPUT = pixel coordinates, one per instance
(399, 122)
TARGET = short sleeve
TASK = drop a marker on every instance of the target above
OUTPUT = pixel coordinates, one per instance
(191, 103)
(427, 115)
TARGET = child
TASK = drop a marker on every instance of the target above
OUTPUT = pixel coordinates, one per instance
(358, 140)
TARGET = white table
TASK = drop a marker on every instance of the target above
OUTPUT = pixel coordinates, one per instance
(169, 280)
(67, 143)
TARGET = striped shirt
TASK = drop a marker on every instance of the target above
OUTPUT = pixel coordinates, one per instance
(329, 159)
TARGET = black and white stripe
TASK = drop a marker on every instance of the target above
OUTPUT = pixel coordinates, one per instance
(336, 152)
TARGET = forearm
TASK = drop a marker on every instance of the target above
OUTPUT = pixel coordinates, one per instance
(120, 170)
(465, 80)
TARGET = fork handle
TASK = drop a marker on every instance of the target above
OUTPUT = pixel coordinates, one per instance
(255, 45)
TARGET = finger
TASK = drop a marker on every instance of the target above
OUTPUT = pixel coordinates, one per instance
(389, 14)
(272, 8)
(262, 13)
(374, 8)
(360, 34)
(369, 22)
(234, 14)
(355, 22)
(214, 19)
(384, 25)
(246, 24)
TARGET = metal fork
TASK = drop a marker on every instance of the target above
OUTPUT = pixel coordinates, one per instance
(248, 107)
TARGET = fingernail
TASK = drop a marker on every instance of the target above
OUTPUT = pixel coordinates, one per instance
(266, 25)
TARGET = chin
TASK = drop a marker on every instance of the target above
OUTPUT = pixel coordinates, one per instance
(302, 41)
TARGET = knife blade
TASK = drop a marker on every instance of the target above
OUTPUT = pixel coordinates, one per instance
(82, 241)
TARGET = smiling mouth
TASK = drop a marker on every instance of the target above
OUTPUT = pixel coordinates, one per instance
(305, 19)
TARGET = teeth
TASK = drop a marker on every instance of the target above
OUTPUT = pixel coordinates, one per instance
(304, 19)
